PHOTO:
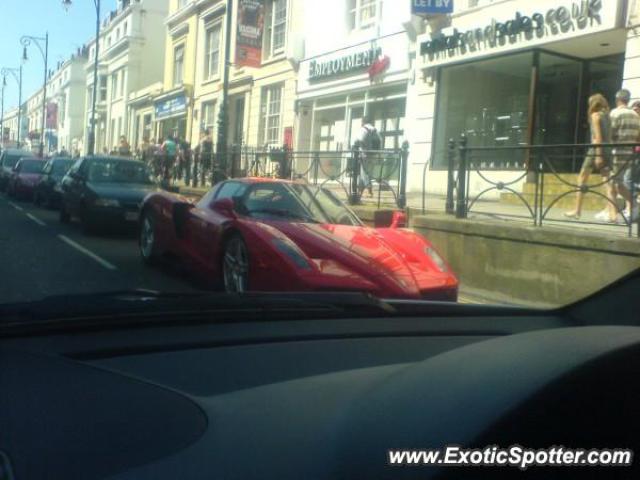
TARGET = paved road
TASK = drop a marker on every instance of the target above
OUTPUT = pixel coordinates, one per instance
(39, 257)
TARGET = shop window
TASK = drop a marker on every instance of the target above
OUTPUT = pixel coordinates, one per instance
(270, 113)
(146, 127)
(208, 117)
(493, 113)
(363, 14)
(276, 31)
(212, 51)
(178, 65)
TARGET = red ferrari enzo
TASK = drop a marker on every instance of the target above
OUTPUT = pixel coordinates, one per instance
(272, 235)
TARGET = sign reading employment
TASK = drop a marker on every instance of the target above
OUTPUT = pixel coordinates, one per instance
(430, 7)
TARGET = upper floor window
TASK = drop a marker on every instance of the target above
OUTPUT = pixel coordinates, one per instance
(270, 114)
(212, 51)
(124, 29)
(363, 14)
(178, 65)
(102, 86)
(276, 27)
(183, 3)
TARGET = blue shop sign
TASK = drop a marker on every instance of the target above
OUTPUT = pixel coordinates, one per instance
(431, 7)
(171, 107)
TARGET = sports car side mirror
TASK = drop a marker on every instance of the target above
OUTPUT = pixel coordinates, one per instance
(224, 206)
(390, 219)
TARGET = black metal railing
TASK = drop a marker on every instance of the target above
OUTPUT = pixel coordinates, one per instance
(381, 173)
(548, 173)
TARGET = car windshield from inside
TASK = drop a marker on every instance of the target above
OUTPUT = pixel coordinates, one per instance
(116, 170)
(31, 166)
(296, 202)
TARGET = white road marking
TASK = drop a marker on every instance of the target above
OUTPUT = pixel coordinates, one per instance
(37, 220)
(17, 207)
(88, 253)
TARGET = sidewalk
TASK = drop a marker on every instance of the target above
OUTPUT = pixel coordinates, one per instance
(492, 210)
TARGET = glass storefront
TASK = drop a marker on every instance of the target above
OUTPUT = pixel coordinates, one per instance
(491, 101)
(333, 124)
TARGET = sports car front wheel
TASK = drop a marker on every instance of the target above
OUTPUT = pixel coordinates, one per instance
(235, 265)
(147, 239)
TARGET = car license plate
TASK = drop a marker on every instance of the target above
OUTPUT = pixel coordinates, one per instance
(131, 216)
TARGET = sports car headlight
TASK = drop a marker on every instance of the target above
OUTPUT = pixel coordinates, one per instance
(106, 202)
(293, 252)
(437, 259)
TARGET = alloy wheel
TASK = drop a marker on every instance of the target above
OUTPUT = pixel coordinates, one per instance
(236, 266)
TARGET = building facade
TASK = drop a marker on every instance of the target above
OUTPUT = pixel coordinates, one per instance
(356, 64)
(129, 58)
(10, 127)
(514, 73)
(32, 136)
(261, 95)
(66, 105)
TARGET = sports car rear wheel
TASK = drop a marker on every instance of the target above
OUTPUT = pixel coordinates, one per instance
(235, 265)
(147, 239)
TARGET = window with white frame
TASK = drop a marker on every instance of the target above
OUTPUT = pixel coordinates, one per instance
(123, 80)
(208, 119)
(178, 65)
(114, 85)
(102, 86)
(212, 51)
(363, 14)
(271, 112)
(276, 27)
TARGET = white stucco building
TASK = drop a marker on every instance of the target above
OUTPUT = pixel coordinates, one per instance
(515, 72)
(343, 39)
(131, 57)
(66, 104)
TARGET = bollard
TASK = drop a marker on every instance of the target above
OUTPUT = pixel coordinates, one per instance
(404, 165)
(451, 158)
(461, 205)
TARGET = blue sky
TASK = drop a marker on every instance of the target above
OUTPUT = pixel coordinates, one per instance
(68, 30)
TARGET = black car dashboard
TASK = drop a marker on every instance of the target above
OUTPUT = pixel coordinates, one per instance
(318, 398)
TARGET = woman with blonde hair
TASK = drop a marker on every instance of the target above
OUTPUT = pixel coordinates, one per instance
(597, 157)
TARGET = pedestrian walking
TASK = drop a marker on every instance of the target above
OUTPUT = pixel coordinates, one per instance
(370, 145)
(206, 156)
(625, 128)
(124, 149)
(597, 157)
(169, 150)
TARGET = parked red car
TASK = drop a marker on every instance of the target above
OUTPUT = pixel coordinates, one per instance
(25, 177)
(274, 235)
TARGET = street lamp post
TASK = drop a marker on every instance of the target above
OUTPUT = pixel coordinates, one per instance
(18, 78)
(92, 133)
(26, 41)
(223, 117)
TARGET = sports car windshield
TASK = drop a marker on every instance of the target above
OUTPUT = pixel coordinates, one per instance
(297, 202)
(479, 151)
(118, 171)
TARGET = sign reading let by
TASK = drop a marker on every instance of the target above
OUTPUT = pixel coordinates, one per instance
(431, 7)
